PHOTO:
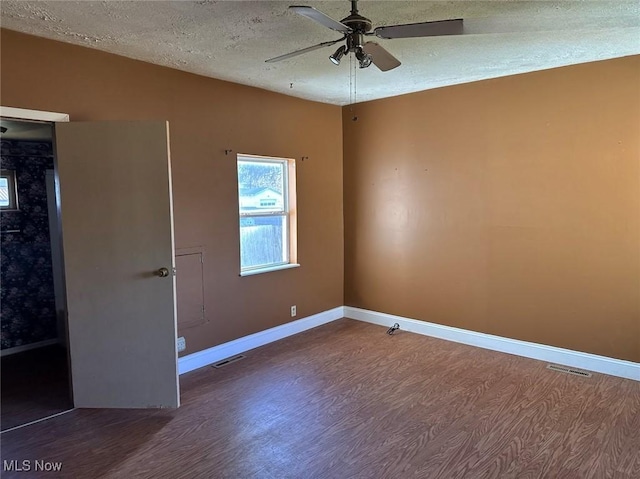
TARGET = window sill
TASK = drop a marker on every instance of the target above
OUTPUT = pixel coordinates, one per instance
(269, 269)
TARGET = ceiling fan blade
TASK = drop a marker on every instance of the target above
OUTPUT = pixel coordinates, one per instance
(304, 50)
(424, 29)
(492, 25)
(321, 18)
(381, 58)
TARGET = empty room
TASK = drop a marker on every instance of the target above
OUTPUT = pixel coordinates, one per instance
(374, 239)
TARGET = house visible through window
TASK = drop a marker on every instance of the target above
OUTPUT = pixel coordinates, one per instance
(266, 197)
(8, 194)
(264, 203)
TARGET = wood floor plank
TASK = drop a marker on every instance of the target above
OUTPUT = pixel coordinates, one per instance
(346, 400)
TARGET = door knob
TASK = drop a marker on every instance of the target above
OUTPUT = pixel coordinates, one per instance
(162, 272)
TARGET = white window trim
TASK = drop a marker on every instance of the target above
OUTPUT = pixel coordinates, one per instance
(289, 212)
(269, 269)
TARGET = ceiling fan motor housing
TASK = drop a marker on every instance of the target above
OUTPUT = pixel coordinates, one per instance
(354, 40)
(357, 23)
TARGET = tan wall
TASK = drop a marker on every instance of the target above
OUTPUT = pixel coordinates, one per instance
(206, 117)
(509, 206)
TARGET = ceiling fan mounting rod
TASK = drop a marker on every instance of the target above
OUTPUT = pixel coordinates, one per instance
(356, 22)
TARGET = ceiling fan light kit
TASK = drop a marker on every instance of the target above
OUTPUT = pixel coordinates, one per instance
(355, 27)
(335, 58)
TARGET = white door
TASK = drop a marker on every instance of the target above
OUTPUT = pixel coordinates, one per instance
(117, 236)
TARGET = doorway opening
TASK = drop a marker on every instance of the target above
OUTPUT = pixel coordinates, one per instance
(120, 328)
(34, 358)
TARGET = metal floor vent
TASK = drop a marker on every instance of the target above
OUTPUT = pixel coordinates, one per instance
(226, 362)
(564, 369)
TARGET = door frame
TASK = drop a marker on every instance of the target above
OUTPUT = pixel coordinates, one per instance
(24, 114)
(55, 236)
(50, 117)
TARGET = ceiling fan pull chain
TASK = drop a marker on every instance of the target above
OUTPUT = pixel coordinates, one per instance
(355, 83)
(351, 82)
(353, 87)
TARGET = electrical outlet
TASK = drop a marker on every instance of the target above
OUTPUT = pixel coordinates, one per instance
(182, 344)
(294, 310)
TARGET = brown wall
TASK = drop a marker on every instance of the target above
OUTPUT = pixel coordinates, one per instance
(509, 206)
(206, 117)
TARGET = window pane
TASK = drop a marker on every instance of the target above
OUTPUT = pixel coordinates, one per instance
(263, 241)
(8, 200)
(261, 186)
(4, 192)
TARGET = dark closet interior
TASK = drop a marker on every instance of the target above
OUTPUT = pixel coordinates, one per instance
(34, 360)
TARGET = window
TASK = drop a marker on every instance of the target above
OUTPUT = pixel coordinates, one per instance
(8, 193)
(267, 199)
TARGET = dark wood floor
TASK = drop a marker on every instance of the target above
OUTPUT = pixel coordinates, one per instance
(346, 400)
(35, 384)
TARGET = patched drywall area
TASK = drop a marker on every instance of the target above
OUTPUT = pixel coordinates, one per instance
(509, 207)
(231, 40)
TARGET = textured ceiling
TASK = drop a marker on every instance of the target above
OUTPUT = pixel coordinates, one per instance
(230, 40)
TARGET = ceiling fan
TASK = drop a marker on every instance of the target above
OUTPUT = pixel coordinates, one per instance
(355, 27)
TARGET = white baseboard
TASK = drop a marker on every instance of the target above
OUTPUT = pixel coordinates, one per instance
(552, 354)
(28, 347)
(237, 346)
(567, 357)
